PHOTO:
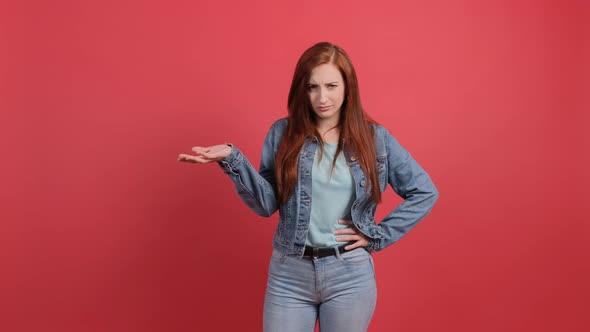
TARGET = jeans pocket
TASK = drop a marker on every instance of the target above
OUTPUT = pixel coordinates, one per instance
(357, 256)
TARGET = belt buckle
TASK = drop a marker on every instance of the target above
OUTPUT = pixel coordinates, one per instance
(315, 252)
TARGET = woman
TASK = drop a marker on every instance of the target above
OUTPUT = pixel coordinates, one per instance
(324, 168)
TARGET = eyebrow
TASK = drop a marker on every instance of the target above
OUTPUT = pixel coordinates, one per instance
(334, 82)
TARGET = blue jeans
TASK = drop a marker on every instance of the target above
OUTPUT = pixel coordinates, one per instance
(338, 290)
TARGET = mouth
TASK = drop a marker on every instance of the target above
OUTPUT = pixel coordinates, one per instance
(323, 108)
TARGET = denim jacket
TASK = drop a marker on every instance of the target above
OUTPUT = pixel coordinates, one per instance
(394, 164)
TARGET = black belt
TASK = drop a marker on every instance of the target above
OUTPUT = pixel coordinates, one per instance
(317, 252)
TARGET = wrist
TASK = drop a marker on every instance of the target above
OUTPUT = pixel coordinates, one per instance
(231, 147)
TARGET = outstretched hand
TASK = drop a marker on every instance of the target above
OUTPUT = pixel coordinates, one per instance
(205, 155)
(351, 234)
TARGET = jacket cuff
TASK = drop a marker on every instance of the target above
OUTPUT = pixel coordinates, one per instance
(229, 163)
(374, 245)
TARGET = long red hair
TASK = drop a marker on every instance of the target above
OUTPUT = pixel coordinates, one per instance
(356, 132)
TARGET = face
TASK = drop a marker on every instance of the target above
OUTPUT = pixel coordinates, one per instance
(326, 92)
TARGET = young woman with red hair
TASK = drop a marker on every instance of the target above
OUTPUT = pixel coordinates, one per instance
(324, 168)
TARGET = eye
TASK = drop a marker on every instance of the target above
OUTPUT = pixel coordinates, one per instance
(332, 86)
(312, 87)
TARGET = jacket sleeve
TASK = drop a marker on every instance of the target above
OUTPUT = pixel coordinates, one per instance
(411, 182)
(256, 189)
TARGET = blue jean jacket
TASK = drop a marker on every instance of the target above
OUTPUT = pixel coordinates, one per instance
(395, 166)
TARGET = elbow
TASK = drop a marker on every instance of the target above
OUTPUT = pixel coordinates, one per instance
(432, 196)
(435, 194)
(265, 212)
(427, 194)
(259, 206)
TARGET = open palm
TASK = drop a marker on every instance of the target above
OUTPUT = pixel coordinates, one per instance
(205, 155)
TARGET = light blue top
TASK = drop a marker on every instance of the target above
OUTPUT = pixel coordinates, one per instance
(332, 197)
(395, 167)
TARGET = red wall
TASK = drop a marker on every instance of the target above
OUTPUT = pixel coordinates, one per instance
(103, 230)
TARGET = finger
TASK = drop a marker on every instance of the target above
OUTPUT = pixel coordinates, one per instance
(209, 155)
(202, 160)
(352, 246)
(185, 158)
(357, 244)
(348, 238)
(189, 159)
(346, 231)
(345, 222)
(193, 159)
(218, 152)
(200, 150)
(201, 156)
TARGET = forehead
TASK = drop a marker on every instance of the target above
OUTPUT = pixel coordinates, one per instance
(326, 72)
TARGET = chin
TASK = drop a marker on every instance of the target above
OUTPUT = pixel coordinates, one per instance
(327, 115)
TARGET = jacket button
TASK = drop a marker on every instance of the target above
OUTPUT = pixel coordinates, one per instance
(363, 183)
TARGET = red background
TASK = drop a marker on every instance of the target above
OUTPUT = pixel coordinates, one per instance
(103, 230)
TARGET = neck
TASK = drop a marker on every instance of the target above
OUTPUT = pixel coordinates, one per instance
(327, 124)
(329, 132)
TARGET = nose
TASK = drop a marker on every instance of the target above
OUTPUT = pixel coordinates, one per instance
(323, 96)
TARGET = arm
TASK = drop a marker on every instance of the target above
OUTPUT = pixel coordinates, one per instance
(256, 189)
(411, 182)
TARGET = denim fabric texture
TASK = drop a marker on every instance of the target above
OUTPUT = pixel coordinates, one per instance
(395, 165)
(338, 291)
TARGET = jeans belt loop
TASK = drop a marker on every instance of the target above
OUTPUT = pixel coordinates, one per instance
(315, 252)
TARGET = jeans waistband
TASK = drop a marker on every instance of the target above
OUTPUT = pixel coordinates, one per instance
(319, 252)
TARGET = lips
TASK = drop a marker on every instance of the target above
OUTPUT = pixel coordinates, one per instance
(323, 108)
